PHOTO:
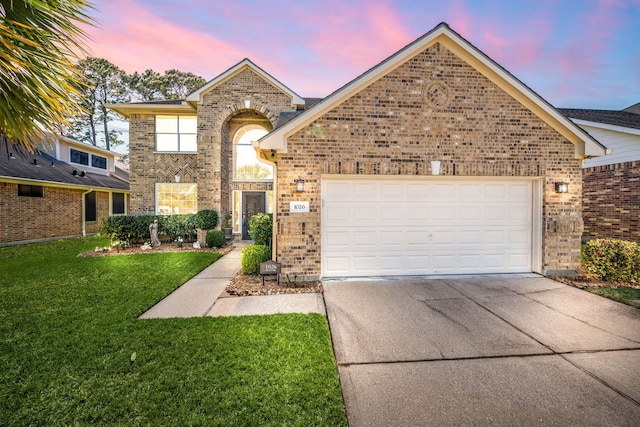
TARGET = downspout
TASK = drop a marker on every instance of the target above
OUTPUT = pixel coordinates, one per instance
(272, 161)
(84, 216)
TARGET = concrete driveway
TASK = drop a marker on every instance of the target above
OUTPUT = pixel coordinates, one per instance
(483, 350)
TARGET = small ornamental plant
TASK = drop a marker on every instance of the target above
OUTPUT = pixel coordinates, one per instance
(253, 256)
(260, 228)
(215, 238)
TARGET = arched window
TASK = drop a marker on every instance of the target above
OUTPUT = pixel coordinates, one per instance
(246, 166)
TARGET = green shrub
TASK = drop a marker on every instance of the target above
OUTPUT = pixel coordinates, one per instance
(260, 228)
(132, 229)
(206, 219)
(612, 260)
(179, 225)
(215, 238)
(252, 256)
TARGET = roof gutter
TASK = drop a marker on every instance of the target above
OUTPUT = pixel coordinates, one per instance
(17, 180)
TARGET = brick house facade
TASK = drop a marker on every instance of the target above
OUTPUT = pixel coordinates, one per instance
(611, 189)
(611, 199)
(440, 99)
(41, 198)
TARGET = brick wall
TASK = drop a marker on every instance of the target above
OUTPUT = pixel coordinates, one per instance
(611, 201)
(220, 114)
(393, 127)
(57, 214)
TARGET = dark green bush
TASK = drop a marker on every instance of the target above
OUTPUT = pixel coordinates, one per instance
(135, 229)
(215, 238)
(206, 219)
(252, 256)
(179, 225)
(612, 260)
(132, 229)
(260, 228)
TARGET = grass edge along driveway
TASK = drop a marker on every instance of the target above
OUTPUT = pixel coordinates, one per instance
(72, 350)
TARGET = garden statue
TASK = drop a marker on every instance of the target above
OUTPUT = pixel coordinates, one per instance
(153, 229)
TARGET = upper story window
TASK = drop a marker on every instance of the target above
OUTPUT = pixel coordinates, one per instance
(79, 157)
(246, 164)
(176, 134)
(82, 158)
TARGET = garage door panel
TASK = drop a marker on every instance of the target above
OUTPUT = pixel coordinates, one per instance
(417, 191)
(338, 190)
(336, 239)
(392, 191)
(364, 191)
(426, 227)
(364, 238)
(338, 215)
(443, 191)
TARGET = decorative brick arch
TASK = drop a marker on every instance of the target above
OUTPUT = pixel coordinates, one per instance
(236, 108)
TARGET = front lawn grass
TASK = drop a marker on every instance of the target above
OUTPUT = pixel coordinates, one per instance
(629, 296)
(72, 350)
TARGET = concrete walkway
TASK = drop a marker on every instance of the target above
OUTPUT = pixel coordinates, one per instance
(200, 296)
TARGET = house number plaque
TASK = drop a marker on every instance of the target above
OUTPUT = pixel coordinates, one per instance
(299, 206)
(270, 268)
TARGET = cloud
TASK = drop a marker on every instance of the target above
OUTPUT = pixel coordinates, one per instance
(136, 39)
(315, 47)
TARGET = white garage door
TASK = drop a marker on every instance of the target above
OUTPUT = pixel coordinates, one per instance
(382, 227)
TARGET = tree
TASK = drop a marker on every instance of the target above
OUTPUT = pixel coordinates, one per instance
(178, 84)
(145, 86)
(102, 83)
(173, 84)
(38, 81)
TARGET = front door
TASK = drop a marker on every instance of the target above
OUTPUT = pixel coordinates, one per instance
(252, 203)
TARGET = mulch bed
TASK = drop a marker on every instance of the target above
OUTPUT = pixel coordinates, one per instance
(165, 247)
(243, 285)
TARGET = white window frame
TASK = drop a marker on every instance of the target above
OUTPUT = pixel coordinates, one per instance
(178, 133)
(158, 184)
(236, 143)
(90, 157)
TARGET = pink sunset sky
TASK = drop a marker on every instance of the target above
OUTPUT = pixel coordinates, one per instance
(574, 53)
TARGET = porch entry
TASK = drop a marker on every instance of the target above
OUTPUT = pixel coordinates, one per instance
(253, 202)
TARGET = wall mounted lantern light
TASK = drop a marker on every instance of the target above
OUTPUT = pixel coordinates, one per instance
(562, 187)
(299, 185)
(177, 177)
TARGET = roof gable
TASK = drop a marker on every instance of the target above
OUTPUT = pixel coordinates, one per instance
(196, 96)
(585, 145)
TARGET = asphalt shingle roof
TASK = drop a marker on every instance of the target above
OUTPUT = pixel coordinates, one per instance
(48, 169)
(610, 117)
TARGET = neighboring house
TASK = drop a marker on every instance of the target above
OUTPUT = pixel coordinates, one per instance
(352, 180)
(62, 191)
(611, 184)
